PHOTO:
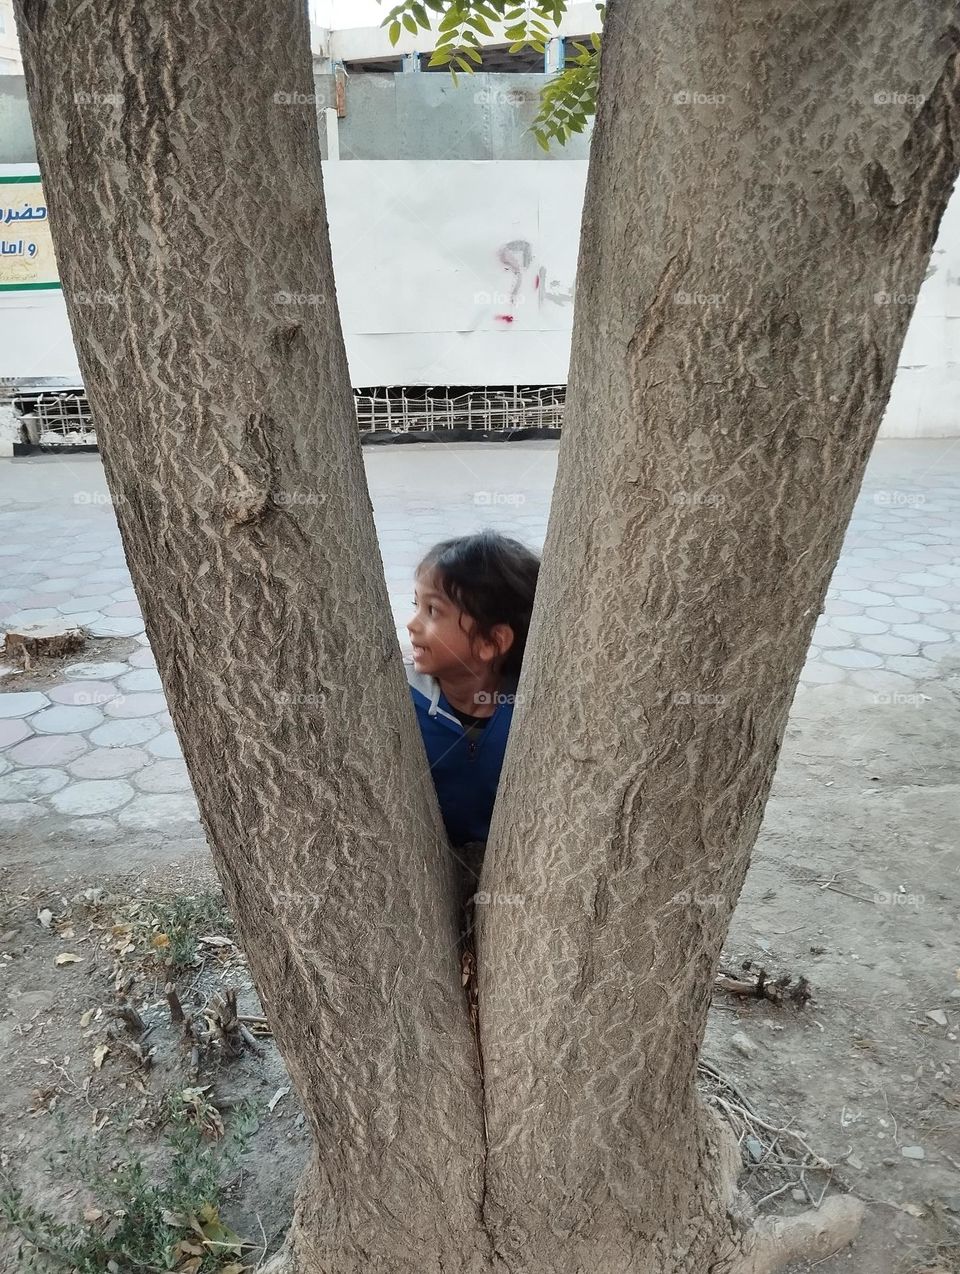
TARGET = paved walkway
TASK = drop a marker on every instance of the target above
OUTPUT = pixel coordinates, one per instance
(90, 769)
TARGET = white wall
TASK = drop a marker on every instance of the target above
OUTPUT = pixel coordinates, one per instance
(461, 273)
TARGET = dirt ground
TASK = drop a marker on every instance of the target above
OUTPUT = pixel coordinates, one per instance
(854, 886)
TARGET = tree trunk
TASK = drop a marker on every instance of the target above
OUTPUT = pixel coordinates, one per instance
(732, 356)
(185, 198)
(727, 383)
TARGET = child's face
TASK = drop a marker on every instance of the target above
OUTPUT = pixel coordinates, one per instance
(444, 637)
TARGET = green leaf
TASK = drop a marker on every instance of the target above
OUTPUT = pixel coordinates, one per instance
(595, 40)
(480, 24)
(451, 21)
(410, 23)
(420, 13)
(473, 55)
(394, 32)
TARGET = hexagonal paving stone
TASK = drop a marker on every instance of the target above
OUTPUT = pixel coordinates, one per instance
(64, 719)
(893, 614)
(919, 632)
(915, 667)
(866, 597)
(852, 658)
(89, 605)
(887, 687)
(79, 693)
(859, 624)
(94, 671)
(149, 812)
(884, 644)
(63, 584)
(136, 705)
(142, 659)
(25, 785)
(821, 674)
(825, 635)
(13, 731)
(165, 745)
(123, 734)
(143, 679)
(116, 627)
(95, 831)
(21, 618)
(20, 703)
(80, 559)
(109, 763)
(13, 813)
(49, 750)
(122, 608)
(921, 579)
(926, 605)
(95, 796)
(164, 776)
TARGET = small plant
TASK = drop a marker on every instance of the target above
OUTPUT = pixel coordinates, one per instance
(140, 1225)
(175, 926)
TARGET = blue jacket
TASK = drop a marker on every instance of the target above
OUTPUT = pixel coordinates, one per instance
(465, 771)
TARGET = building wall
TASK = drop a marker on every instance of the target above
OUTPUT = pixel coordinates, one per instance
(10, 61)
(455, 244)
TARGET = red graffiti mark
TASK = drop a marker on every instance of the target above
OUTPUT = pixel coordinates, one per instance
(504, 318)
(536, 282)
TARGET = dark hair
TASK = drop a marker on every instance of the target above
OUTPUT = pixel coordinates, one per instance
(493, 579)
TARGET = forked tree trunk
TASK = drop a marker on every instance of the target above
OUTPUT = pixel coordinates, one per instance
(712, 453)
(185, 196)
(754, 218)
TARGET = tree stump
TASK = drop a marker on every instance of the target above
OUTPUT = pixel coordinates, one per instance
(44, 641)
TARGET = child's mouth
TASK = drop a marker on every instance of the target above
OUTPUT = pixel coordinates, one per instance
(419, 651)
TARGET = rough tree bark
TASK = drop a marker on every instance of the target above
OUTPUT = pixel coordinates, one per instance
(755, 217)
(729, 371)
(178, 146)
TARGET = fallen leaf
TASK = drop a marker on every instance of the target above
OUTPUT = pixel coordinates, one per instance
(87, 1018)
(68, 957)
(215, 940)
(45, 916)
(160, 940)
(99, 1053)
(277, 1096)
(92, 1214)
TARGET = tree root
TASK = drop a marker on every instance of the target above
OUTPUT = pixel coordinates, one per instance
(777, 1241)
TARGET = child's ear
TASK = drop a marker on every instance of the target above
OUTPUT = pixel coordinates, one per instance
(503, 638)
